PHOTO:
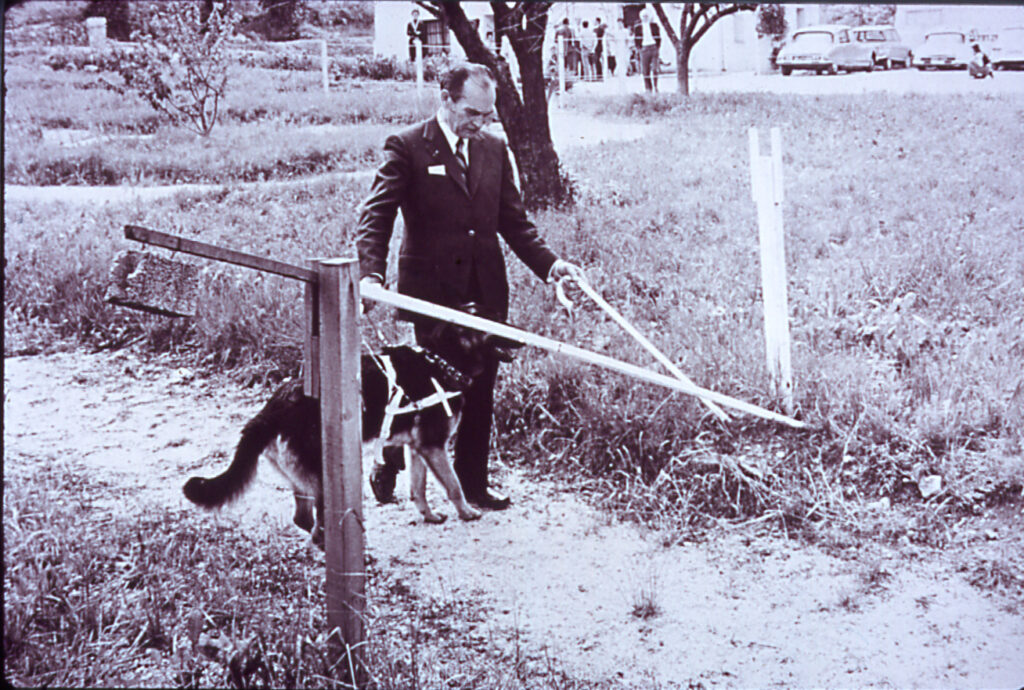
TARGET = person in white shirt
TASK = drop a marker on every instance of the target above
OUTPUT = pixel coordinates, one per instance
(647, 35)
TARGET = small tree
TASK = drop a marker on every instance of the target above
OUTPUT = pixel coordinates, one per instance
(771, 21)
(180, 63)
(694, 21)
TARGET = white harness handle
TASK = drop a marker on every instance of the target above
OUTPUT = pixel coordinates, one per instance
(590, 292)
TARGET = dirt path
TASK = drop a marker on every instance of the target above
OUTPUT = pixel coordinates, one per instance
(734, 611)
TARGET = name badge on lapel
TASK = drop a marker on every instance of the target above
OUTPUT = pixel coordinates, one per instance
(436, 170)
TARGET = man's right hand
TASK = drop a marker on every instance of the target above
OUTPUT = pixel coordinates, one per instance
(372, 279)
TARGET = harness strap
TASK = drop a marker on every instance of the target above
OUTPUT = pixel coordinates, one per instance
(395, 408)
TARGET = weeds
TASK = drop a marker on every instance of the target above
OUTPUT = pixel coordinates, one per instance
(98, 597)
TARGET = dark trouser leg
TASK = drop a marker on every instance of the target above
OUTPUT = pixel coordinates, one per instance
(648, 65)
(473, 441)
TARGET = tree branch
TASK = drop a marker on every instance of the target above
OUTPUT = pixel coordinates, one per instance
(663, 18)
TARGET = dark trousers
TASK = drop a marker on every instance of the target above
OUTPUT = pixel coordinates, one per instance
(473, 437)
(649, 66)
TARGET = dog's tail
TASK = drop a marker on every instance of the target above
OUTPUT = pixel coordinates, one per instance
(230, 484)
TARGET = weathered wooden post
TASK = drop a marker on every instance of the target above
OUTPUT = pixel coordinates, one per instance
(341, 433)
(766, 191)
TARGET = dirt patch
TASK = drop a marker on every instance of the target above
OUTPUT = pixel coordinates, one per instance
(604, 600)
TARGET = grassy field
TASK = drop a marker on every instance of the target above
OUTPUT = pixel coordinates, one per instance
(905, 251)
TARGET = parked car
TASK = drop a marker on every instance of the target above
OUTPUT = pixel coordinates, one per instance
(822, 48)
(883, 45)
(1007, 52)
(943, 49)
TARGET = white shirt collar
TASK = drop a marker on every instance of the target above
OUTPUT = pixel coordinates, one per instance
(450, 136)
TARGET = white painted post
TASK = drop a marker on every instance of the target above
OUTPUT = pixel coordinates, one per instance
(323, 65)
(561, 65)
(419, 66)
(621, 69)
(604, 55)
(767, 193)
(96, 30)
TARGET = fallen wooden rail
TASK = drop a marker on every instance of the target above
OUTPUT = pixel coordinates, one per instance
(379, 294)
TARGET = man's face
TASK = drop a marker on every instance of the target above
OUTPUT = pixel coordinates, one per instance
(473, 111)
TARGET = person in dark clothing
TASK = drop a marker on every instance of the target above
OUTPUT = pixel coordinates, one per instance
(647, 35)
(453, 182)
(416, 31)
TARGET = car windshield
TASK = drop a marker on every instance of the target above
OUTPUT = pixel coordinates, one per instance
(813, 40)
(870, 36)
(942, 40)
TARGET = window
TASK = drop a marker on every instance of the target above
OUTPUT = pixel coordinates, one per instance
(437, 38)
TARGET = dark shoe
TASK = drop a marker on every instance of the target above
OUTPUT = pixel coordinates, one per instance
(382, 477)
(490, 500)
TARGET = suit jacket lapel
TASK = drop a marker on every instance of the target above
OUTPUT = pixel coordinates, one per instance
(442, 152)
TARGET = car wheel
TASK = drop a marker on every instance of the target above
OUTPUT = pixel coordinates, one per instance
(786, 71)
(887, 64)
(832, 69)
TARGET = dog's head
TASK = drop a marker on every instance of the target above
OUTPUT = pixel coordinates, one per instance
(469, 349)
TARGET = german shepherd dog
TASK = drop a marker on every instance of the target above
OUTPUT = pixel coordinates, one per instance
(287, 429)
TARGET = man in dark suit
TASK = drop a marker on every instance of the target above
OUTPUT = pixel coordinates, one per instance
(416, 31)
(454, 184)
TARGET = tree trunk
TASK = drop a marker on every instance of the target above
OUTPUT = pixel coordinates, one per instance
(683, 68)
(525, 119)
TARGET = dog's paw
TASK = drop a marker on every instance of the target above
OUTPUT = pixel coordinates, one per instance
(470, 514)
(434, 518)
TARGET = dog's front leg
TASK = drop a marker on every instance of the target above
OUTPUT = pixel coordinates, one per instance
(418, 488)
(437, 459)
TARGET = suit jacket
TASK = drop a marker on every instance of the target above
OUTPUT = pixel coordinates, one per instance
(451, 227)
(638, 34)
(418, 30)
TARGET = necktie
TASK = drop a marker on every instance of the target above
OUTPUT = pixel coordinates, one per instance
(460, 156)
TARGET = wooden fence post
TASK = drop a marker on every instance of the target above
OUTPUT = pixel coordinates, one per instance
(311, 339)
(341, 433)
(766, 191)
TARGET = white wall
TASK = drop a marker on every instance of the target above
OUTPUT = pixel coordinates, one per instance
(981, 21)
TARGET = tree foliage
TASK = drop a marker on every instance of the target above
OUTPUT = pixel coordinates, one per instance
(523, 109)
(855, 15)
(180, 63)
(694, 21)
(771, 20)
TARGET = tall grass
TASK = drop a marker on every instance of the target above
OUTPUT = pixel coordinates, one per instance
(94, 596)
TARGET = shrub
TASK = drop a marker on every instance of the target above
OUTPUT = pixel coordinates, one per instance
(181, 64)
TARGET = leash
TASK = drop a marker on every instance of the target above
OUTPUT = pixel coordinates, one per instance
(590, 292)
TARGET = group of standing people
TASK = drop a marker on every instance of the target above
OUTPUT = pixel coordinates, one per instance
(586, 50)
